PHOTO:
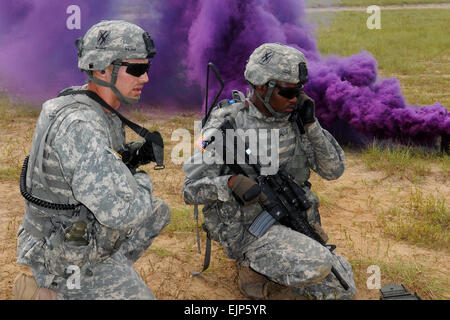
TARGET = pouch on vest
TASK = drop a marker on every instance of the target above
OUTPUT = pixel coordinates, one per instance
(59, 253)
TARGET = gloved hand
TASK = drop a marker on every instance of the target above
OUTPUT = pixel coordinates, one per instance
(245, 189)
(137, 153)
(145, 153)
(306, 109)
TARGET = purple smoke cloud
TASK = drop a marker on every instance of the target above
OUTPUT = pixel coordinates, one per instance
(226, 32)
(38, 59)
(347, 89)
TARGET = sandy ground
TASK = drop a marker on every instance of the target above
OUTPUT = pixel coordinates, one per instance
(349, 215)
(351, 225)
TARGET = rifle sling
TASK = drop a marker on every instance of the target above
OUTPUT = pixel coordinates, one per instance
(207, 258)
(141, 131)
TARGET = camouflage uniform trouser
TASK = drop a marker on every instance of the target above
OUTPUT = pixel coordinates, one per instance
(291, 259)
(115, 278)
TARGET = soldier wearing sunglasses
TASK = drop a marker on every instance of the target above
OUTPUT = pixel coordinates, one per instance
(282, 263)
(88, 216)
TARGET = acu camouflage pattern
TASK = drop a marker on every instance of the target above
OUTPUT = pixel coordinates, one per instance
(273, 61)
(283, 255)
(79, 166)
(111, 40)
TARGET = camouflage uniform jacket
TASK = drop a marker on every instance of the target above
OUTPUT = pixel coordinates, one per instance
(79, 165)
(225, 219)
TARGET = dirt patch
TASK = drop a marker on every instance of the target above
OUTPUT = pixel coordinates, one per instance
(349, 210)
(360, 195)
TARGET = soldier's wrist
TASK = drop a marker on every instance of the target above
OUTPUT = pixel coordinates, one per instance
(310, 128)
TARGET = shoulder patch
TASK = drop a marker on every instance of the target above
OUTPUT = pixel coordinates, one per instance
(225, 103)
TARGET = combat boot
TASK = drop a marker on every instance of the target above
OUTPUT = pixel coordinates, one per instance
(26, 288)
(254, 285)
(251, 283)
(274, 291)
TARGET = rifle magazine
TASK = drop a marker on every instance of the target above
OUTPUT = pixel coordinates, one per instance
(261, 224)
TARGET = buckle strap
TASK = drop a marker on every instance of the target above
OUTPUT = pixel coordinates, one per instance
(154, 137)
(207, 258)
(141, 131)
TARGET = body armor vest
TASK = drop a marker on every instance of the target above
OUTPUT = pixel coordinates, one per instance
(68, 229)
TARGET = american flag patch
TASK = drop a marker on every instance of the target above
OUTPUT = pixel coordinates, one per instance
(201, 143)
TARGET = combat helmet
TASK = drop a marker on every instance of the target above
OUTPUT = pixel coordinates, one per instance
(272, 62)
(109, 42)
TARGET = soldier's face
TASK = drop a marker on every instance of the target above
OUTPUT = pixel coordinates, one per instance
(131, 86)
(280, 103)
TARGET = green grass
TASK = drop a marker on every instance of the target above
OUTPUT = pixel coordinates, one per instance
(424, 220)
(396, 270)
(428, 282)
(161, 251)
(182, 220)
(414, 277)
(412, 45)
(10, 174)
(363, 3)
(345, 3)
(444, 164)
(409, 162)
(10, 111)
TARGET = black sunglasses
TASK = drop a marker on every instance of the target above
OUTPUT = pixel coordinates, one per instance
(289, 92)
(136, 69)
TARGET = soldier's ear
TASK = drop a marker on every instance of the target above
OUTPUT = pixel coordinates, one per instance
(99, 74)
(262, 90)
(103, 74)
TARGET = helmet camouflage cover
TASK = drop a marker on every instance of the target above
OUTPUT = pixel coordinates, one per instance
(111, 40)
(275, 61)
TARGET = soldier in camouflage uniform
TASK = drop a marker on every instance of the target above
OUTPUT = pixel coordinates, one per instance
(282, 260)
(74, 161)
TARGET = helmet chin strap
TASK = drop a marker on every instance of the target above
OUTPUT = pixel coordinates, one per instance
(112, 84)
(265, 101)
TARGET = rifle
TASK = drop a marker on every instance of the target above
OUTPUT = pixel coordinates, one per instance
(286, 200)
